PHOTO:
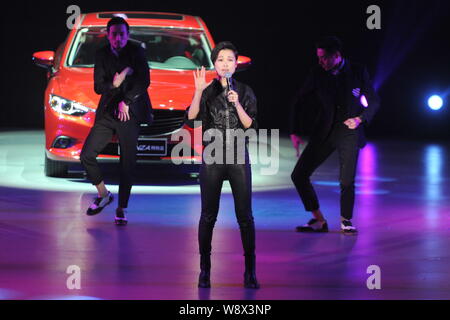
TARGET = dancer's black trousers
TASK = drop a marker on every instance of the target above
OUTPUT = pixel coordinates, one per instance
(99, 136)
(211, 180)
(345, 141)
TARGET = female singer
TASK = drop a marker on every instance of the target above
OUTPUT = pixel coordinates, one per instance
(225, 105)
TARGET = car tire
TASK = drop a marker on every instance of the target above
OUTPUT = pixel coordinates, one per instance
(55, 168)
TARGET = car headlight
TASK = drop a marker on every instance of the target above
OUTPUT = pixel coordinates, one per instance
(69, 107)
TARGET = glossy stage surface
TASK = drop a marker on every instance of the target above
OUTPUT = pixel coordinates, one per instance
(402, 212)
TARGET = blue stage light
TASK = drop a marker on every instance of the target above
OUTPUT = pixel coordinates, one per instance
(435, 102)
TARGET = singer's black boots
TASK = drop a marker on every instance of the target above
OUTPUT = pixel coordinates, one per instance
(250, 281)
(205, 271)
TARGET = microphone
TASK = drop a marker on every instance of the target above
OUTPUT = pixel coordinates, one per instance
(229, 84)
(228, 77)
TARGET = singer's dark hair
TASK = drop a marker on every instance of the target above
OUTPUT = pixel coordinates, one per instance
(224, 45)
(330, 44)
(115, 21)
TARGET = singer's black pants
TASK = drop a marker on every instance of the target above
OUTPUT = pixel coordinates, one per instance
(345, 141)
(99, 136)
(211, 180)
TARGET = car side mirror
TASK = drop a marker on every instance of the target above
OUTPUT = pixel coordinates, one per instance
(243, 63)
(44, 59)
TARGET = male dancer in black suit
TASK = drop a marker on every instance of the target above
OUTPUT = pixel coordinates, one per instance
(121, 76)
(339, 85)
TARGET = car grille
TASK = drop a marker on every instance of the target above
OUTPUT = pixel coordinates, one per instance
(164, 122)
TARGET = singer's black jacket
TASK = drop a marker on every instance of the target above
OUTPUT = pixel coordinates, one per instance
(214, 107)
(217, 113)
(320, 96)
(133, 91)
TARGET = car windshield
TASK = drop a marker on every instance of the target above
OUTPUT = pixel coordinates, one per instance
(166, 48)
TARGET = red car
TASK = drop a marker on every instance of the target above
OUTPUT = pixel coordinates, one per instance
(175, 44)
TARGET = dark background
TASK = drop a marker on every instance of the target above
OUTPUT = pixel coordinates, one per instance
(411, 52)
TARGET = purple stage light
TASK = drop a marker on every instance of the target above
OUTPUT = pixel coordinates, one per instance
(363, 101)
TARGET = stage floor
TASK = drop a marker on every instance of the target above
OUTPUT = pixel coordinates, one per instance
(402, 213)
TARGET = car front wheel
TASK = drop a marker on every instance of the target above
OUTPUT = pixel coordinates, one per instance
(55, 168)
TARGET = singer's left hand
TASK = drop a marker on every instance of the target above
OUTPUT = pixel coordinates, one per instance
(233, 97)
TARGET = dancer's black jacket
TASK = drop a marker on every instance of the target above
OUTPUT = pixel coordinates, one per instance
(325, 99)
(133, 91)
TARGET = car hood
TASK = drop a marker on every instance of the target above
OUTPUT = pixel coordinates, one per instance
(168, 89)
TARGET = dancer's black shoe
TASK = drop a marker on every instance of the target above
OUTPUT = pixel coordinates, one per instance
(313, 225)
(348, 228)
(99, 203)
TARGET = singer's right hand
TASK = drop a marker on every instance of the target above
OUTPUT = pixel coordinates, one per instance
(233, 96)
(297, 142)
(200, 79)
